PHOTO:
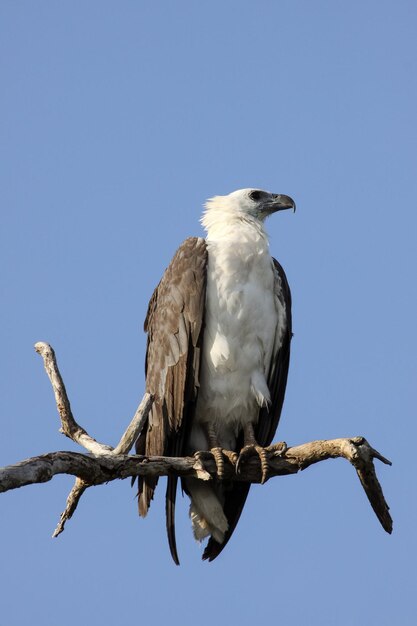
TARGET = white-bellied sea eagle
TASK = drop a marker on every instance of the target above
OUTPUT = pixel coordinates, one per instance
(219, 332)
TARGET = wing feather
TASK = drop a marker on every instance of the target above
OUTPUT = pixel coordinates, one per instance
(278, 372)
(174, 322)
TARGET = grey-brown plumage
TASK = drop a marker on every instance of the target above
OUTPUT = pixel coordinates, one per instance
(174, 325)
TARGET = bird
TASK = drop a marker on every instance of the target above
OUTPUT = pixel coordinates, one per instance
(218, 346)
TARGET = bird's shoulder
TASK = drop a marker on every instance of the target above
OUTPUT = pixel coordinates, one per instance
(182, 281)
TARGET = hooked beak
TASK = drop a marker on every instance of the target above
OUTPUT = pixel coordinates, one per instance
(279, 202)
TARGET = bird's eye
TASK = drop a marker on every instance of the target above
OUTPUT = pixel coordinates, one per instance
(255, 195)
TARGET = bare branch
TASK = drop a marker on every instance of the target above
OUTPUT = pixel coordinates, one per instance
(72, 502)
(69, 426)
(360, 454)
(96, 470)
(71, 429)
(105, 463)
(123, 447)
(133, 430)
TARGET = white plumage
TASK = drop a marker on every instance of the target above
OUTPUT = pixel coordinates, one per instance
(219, 331)
(242, 334)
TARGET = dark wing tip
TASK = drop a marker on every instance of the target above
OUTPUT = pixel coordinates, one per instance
(212, 550)
(233, 506)
(174, 554)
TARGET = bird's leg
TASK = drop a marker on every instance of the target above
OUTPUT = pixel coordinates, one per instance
(215, 449)
(251, 447)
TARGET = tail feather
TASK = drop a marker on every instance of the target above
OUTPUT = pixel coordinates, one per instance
(206, 511)
(233, 506)
(170, 516)
(146, 492)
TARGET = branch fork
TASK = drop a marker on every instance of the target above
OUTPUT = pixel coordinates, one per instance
(104, 463)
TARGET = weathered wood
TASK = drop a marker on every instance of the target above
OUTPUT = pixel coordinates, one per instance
(123, 447)
(138, 422)
(105, 463)
(71, 429)
(69, 426)
(73, 499)
(99, 469)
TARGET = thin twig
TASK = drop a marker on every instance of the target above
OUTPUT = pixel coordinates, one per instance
(69, 426)
(77, 433)
(136, 425)
(123, 447)
(72, 502)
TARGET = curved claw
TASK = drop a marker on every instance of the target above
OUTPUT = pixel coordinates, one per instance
(245, 453)
(263, 456)
(277, 449)
(262, 453)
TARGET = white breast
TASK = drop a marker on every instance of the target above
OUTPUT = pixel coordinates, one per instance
(241, 323)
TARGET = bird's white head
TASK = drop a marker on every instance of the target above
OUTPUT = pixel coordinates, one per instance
(248, 205)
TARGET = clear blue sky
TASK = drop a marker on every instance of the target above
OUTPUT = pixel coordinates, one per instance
(118, 120)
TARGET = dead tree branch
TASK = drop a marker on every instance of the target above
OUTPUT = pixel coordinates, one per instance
(71, 429)
(104, 463)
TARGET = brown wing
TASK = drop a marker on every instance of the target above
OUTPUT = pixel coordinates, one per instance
(174, 323)
(269, 416)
